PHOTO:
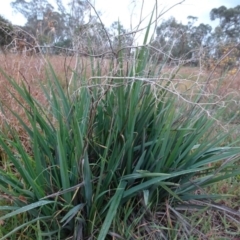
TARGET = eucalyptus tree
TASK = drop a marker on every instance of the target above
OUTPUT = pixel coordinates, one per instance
(229, 21)
(226, 36)
(172, 41)
(46, 29)
(6, 36)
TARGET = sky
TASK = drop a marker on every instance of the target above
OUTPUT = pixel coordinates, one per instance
(128, 11)
(199, 8)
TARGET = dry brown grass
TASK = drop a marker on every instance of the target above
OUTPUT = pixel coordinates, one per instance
(31, 71)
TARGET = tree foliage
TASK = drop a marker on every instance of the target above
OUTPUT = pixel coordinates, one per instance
(5, 32)
(229, 20)
(178, 41)
(191, 42)
(75, 27)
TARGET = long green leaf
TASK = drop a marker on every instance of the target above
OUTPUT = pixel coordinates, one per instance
(26, 208)
(112, 210)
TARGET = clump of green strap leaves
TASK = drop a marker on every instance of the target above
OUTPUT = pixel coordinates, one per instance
(106, 156)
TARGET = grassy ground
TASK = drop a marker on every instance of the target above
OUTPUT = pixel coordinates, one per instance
(223, 89)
